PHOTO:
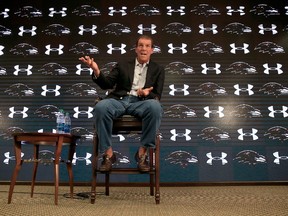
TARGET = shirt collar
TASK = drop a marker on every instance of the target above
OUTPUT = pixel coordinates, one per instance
(137, 63)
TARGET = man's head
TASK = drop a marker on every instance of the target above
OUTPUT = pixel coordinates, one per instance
(144, 48)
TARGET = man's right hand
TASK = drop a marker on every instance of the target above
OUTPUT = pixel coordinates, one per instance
(91, 63)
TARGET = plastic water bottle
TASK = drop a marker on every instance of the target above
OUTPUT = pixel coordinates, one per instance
(60, 121)
(67, 123)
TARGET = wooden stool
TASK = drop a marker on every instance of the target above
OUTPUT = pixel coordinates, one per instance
(124, 125)
(45, 139)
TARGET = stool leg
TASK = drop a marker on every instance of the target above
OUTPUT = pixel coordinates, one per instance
(152, 173)
(107, 180)
(36, 157)
(94, 168)
(157, 170)
(17, 146)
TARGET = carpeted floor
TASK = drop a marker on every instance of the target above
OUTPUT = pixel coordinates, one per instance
(185, 201)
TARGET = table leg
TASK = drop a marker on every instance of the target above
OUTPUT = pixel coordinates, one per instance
(17, 147)
(56, 166)
(35, 157)
(69, 167)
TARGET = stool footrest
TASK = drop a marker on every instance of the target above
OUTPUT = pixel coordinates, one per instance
(127, 170)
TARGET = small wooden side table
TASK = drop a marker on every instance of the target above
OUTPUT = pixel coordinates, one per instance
(45, 139)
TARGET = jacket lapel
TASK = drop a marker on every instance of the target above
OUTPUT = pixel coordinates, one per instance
(130, 71)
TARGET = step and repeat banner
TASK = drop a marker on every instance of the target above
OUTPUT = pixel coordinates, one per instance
(225, 96)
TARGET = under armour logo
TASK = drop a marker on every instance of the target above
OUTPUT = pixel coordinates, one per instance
(244, 48)
(278, 157)
(241, 90)
(92, 30)
(18, 112)
(46, 90)
(120, 136)
(180, 10)
(122, 11)
(204, 29)
(247, 134)
(83, 112)
(5, 13)
(62, 12)
(86, 158)
(1, 50)
(271, 29)
(274, 111)
(216, 158)
(218, 112)
(9, 157)
(150, 29)
(240, 10)
(85, 69)
(31, 31)
(206, 68)
(184, 89)
(121, 49)
(175, 135)
(59, 49)
(267, 68)
(23, 70)
(172, 48)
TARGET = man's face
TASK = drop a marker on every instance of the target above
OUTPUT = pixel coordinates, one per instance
(144, 50)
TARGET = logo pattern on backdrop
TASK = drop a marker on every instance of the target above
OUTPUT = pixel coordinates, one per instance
(225, 97)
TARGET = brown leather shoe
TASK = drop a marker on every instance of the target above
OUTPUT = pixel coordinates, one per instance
(142, 161)
(107, 162)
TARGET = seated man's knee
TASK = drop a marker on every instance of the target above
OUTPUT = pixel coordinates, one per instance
(156, 108)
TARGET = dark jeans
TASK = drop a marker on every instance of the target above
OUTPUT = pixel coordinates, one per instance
(150, 111)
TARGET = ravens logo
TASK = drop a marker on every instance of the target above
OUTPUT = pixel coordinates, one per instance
(116, 29)
(86, 10)
(237, 28)
(176, 28)
(19, 89)
(180, 111)
(146, 10)
(265, 10)
(273, 88)
(82, 132)
(8, 134)
(246, 111)
(29, 12)
(105, 69)
(47, 111)
(206, 10)
(277, 132)
(208, 47)
(53, 69)
(181, 158)
(4, 31)
(212, 89)
(24, 49)
(120, 159)
(82, 89)
(56, 30)
(215, 134)
(179, 68)
(84, 48)
(269, 48)
(250, 157)
(241, 68)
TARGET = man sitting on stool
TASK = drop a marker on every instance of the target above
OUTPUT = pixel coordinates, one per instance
(138, 86)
